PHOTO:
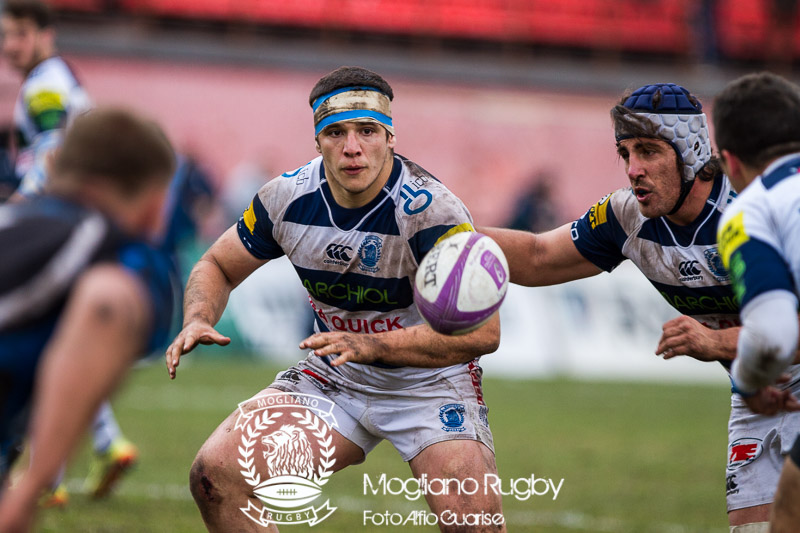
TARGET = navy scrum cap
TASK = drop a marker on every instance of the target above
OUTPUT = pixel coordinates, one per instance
(680, 121)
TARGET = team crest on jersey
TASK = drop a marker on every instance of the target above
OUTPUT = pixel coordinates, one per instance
(452, 416)
(370, 253)
(714, 262)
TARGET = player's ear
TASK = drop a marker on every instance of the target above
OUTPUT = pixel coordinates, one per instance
(391, 141)
(316, 145)
(731, 164)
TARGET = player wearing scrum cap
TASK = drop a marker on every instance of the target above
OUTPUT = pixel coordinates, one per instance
(665, 222)
(355, 223)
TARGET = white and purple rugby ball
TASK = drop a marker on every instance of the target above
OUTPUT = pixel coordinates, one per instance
(461, 282)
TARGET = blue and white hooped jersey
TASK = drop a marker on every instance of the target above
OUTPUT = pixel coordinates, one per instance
(760, 233)
(358, 265)
(682, 262)
(49, 99)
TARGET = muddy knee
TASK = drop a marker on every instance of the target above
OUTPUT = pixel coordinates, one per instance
(203, 483)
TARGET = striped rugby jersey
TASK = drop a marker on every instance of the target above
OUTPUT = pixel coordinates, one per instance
(682, 262)
(358, 265)
(760, 237)
(760, 233)
(49, 99)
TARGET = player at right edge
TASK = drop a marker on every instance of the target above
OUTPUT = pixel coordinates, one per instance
(757, 123)
(665, 223)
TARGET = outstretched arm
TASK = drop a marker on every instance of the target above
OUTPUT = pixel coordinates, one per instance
(98, 337)
(221, 269)
(418, 346)
(542, 259)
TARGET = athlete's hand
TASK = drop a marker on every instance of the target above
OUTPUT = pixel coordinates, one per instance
(771, 400)
(350, 347)
(686, 336)
(193, 333)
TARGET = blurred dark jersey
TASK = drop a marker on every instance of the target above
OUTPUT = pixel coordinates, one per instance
(46, 244)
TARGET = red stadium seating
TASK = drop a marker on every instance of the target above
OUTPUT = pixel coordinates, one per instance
(663, 26)
(88, 6)
(203, 9)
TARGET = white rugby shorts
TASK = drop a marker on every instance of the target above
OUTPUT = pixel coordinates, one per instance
(412, 416)
(757, 447)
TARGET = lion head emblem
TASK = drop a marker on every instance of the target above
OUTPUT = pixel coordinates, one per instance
(288, 452)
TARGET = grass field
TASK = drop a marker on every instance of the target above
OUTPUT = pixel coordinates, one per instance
(634, 457)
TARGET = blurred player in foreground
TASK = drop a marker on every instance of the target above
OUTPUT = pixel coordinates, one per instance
(757, 129)
(81, 279)
(355, 223)
(49, 100)
(665, 222)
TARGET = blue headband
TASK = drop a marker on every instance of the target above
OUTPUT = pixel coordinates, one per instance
(352, 103)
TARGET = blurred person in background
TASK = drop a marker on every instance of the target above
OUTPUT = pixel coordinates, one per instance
(82, 295)
(536, 210)
(247, 176)
(8, 177)
(757, 129)
(359, 217)
(781, 47)
(50, 98)
(51, 95)
(665, 222)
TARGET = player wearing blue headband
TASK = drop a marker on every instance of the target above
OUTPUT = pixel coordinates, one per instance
(355, 224)
(665, 222)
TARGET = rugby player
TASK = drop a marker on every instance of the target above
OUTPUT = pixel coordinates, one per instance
(757, 130)
(50, 96)
(49, 99)
(665, 222)
(355, 223)
(81, 279)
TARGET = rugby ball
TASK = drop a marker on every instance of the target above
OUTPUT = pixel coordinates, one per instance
(287, 492)
(461, 282)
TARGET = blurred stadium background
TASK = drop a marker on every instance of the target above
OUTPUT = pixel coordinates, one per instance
(506, 101)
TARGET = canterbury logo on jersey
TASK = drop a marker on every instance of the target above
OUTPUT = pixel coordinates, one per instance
(689, 268)
(339, 252)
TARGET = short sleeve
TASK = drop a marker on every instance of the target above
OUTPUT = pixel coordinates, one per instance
(755, 265)
(255, 231)
(598, 235)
